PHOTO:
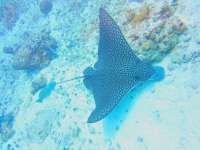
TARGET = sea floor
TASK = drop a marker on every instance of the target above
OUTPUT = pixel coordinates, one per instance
(38, 111)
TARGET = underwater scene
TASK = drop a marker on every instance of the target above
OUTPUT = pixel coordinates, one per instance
(99, 74)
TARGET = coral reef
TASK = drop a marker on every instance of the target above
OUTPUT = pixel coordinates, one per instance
(165, 12)
(8, 80)
(10, 13)
(46, 6)
(36, 53)
(161, 40)
(161, 34)
(6, 127)
(136, 17)
(142, 15)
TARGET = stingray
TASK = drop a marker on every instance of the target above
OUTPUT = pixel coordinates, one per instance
(117, 71)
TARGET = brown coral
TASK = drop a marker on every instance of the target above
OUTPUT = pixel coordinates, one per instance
(143, 14)
(161, 34)
(36, 53)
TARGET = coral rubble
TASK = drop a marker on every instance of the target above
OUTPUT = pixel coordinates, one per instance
(36, 53)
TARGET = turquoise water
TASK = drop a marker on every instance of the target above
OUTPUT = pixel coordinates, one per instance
(45, 47)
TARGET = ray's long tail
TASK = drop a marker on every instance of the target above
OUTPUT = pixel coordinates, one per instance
(68, 80)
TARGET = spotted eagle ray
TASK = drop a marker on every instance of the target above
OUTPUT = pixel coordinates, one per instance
(117, 71)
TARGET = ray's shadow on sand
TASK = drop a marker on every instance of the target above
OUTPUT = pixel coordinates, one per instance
(114, 121)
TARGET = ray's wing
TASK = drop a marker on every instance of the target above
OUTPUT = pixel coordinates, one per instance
(106, 81)
(113, 74)
(113, 47)
(108, 90)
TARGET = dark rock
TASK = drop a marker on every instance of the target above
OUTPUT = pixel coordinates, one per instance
(8, 50)
(11, 49)
(2, 33)
(46, 6)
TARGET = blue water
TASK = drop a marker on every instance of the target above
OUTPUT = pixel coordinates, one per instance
(46, 45)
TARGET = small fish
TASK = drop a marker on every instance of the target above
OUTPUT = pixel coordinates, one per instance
(46, 91)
